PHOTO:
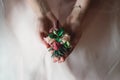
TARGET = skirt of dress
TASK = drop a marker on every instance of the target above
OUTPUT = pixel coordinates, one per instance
(96, 56)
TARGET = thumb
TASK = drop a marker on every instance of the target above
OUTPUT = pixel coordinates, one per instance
(56, 24)
(42, 36)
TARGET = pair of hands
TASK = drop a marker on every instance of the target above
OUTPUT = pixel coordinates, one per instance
(71, 26)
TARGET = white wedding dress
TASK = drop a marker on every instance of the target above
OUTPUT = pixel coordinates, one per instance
(96, 56)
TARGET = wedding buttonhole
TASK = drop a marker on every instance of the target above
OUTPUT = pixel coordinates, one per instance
(59, 42)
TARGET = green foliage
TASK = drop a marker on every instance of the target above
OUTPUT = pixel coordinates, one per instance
(65, 47)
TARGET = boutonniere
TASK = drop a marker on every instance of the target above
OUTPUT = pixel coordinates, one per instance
(59, 42)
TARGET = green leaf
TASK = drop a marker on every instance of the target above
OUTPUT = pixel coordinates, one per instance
(52, 35)
(67, 44)
(58, 39)
(55, 54)
(54, 32)
(62, 51)
(50, 49)
(60, 32)
(60, 54)
(64, 48)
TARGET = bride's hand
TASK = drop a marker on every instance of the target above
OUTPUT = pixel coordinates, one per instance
(72, 24)
(74, 30)
(70, 27)
(45, 24)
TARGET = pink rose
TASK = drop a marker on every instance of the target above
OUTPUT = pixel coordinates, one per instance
(55, 45)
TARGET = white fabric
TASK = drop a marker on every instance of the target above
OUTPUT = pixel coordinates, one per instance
(96, 57)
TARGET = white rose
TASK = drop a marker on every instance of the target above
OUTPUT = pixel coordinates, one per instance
(65, 38)
(49, 40)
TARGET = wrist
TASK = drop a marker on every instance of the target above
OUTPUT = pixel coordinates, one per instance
(76, 10)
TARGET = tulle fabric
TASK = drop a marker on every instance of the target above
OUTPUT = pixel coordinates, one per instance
(96, 56)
